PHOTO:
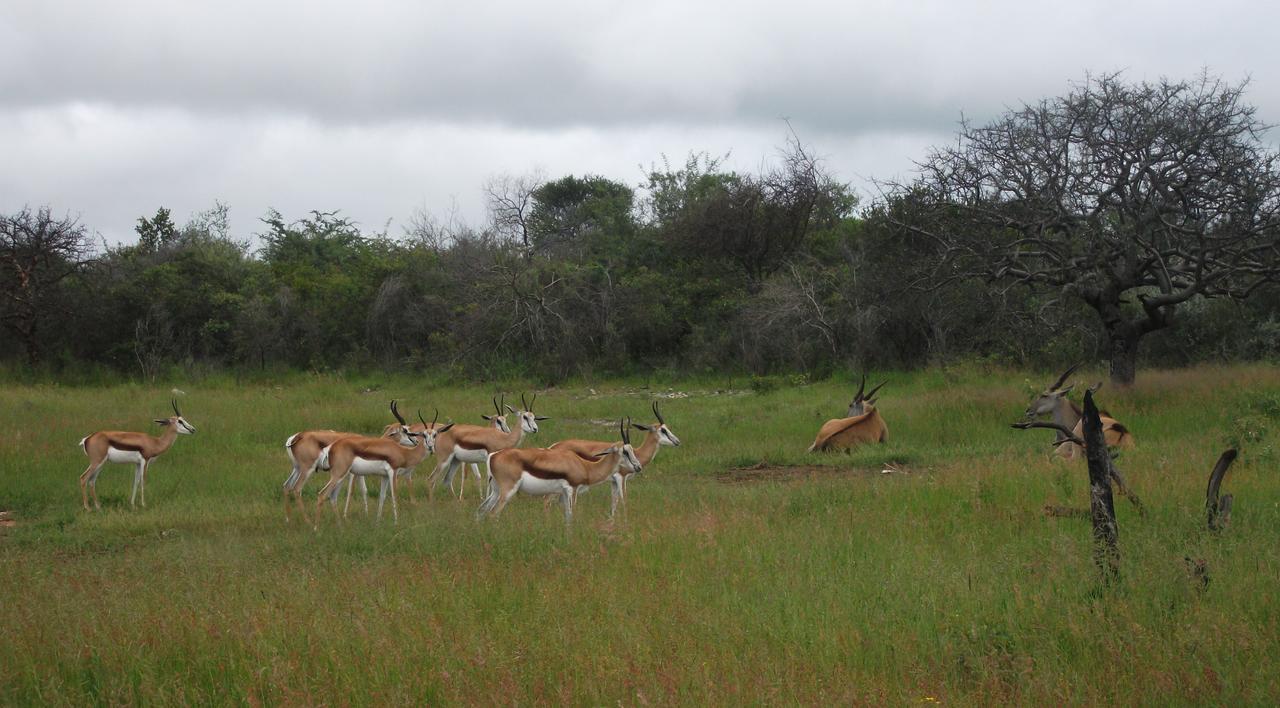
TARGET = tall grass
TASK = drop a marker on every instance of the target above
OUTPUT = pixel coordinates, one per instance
(941, 582)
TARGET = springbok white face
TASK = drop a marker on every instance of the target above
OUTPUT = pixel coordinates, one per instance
(430, 431)
(666, 438)
(404, 435)
(1049, 400)
(177, 421)
(629, 459)
(1046, 402)
(860, 401)
(528, 421)
(499, 420)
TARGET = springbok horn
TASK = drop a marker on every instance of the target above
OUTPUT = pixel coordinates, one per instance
(495, 405)
(523, 404)
(424, 421)
(861, 387)
(503, 401)
(396, 412)
(533, 401)
(174, 402)
(659, 415)
(433, 420)
(1062, 379)
(872, 392)
(622, 428)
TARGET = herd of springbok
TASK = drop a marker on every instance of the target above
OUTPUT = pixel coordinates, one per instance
(564, 469)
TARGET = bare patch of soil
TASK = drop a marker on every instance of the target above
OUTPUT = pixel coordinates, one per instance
(763, 472)
(7, 520)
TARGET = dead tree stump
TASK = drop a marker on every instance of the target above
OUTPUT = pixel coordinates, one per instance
(1219, 510)
(1102, 511)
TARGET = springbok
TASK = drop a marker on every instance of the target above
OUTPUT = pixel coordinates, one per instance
(658, 435)
(862, 424)
(1053, 401)
(472, 444)
(381, 457)
(543, 471)
(304, 451)
(497, 423)
(136, 448)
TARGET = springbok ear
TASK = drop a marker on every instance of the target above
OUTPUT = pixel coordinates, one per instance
(604, 452)
(542, 417)
(486, 417)
(646, 428)
(161, 421)
(508, 407)
(441, 430)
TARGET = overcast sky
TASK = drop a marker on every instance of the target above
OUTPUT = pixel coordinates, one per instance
(112, 109)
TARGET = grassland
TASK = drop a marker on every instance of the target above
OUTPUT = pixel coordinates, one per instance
(942, 582)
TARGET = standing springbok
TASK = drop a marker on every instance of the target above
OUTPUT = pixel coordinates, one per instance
(304, 451)
(136, 448)
(497, 422)
(658, 435)
(472, 444)
(381, 457)
(542, 471)
(862, 424)
(1053, 401)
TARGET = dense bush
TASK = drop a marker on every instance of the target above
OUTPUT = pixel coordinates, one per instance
(697, 270)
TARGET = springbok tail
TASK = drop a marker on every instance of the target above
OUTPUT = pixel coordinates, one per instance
(84, 443)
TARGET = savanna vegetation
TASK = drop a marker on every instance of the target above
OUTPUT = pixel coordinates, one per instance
(1120, 222)
(743, 570)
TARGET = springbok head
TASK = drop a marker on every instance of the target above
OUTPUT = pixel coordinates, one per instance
(861, 400)
(404, 434)
(179, 423)
(1049, 399)
(498, 419)
(629, 459)
(430, 431)
(665, 436)
(528, 420)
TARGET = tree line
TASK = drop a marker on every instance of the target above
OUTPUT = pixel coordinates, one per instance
(1082, 226)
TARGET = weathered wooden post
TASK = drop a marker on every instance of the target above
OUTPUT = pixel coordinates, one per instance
(1106, 551)
(1219, 510)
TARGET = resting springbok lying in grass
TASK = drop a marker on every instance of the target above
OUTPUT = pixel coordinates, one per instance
(380, 457)
(1053, 401)
(542, 471)
(472, 444)
(658, 435)
(862, 424)
(133, 448)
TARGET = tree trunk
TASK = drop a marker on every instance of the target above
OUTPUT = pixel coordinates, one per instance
(1123, 353)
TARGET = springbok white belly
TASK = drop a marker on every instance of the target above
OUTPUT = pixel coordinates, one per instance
(130, 456)
(362, 466)
(538, 487)
(462, 454)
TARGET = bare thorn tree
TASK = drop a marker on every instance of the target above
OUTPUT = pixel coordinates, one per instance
(1133, 198)
(510, 202)
(37, 252)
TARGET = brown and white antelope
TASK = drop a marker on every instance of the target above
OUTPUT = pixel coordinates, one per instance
(380, 457)
(862, 424)
(543, 471)
(657, 435)
(1053, 402)
(497, 423)
(304, 450)
(131, 448)
(472, 444)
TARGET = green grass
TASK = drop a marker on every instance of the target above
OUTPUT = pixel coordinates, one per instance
(945, 583)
